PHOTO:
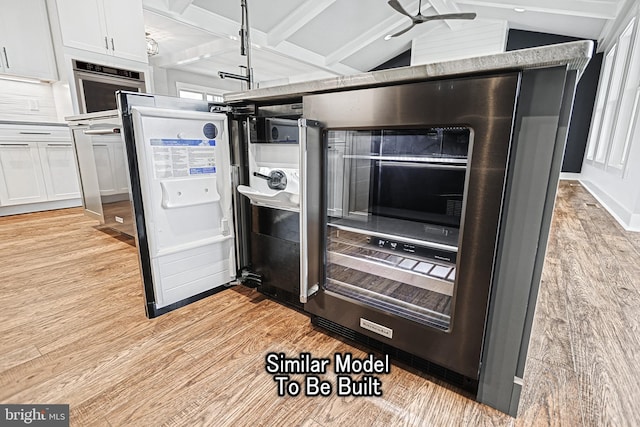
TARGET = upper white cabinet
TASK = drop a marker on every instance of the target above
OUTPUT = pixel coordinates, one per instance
(25, 40)
(111, 27)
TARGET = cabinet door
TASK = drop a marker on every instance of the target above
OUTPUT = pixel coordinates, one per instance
(103, 153)
(21, 179)
(120, 168)
(26, 43)
(125, 29)
(82, 25)
(59, 169)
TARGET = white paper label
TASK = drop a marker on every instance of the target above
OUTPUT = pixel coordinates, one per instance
(176, 158)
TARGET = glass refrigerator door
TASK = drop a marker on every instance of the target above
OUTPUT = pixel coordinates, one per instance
(394, 210)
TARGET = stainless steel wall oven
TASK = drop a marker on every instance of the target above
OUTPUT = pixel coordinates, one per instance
(413, 185)
(96, 85)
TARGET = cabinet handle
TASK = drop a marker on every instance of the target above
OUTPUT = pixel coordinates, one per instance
(106, 43)
(35, 133)
(62, 144)
(113, 47)
(100, 145)
(101, 131)
(6, 58)
(14, 145)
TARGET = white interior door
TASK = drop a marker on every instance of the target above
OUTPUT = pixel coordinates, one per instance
(185, 179)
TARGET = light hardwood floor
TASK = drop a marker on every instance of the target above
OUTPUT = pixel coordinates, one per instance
(73, 331)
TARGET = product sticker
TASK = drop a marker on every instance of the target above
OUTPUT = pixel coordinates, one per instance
(177, 158)
(310, 376)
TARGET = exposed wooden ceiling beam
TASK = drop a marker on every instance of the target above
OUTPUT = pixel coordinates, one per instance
(301, 16)
(587, 9)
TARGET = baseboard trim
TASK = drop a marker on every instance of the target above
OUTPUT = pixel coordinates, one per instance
(39, 207)
(612, 207)
(570, 176)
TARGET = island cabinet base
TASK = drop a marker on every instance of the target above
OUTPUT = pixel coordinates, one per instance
(435, 221)
(408, 209)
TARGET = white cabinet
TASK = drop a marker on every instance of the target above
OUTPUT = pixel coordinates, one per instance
(59, 170)
(21, 177)
(112, 27)
(125, 29)
(37, 165)
(25, 40)
(110, 164)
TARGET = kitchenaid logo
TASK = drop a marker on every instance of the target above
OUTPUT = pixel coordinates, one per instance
(34, 415)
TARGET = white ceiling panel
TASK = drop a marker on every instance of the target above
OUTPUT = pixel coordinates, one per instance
(544, 22)
(263, 14)
(295, 40)
(172, 36)
(341, 22)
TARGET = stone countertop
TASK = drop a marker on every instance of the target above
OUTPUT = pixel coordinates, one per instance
(93, 116)
(26, 123)
(574, 55)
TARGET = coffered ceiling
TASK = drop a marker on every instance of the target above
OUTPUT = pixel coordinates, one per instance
(294, 40)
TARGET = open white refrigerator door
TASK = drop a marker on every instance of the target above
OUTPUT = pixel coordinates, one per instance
(185, 179)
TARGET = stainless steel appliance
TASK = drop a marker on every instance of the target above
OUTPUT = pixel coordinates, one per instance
(101, 159)
(412, 214)
(414, 218)
(216, 196)
(97, 84)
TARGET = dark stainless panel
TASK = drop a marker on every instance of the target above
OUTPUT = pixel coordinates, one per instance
(484, 104)
(240, 176)
(275, 248)
(544, 109)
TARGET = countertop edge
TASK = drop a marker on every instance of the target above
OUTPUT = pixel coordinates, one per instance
(575, 55)
(91, 116)
(27, 123)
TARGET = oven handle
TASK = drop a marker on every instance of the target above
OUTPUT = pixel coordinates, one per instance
(309, 208)
(108, 131)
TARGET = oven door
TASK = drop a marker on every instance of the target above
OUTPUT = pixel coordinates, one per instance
(96, 92)
(409, 219)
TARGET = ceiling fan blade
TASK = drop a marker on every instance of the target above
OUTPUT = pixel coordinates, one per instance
(399, 33)
(448, 16)
(396, 5)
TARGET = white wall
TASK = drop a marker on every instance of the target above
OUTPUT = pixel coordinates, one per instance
(467, 39)
(31, 102)
(618, 189)
(165, 81)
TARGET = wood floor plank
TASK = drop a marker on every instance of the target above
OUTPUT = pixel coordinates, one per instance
(17, 356)
(550, 339)
(549, 398)
(73, 330)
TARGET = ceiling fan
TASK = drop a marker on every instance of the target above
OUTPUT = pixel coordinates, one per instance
(420, 18)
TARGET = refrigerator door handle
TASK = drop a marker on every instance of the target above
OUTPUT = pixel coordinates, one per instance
(309, 207)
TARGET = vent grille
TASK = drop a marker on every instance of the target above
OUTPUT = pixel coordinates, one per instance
(437, 371)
